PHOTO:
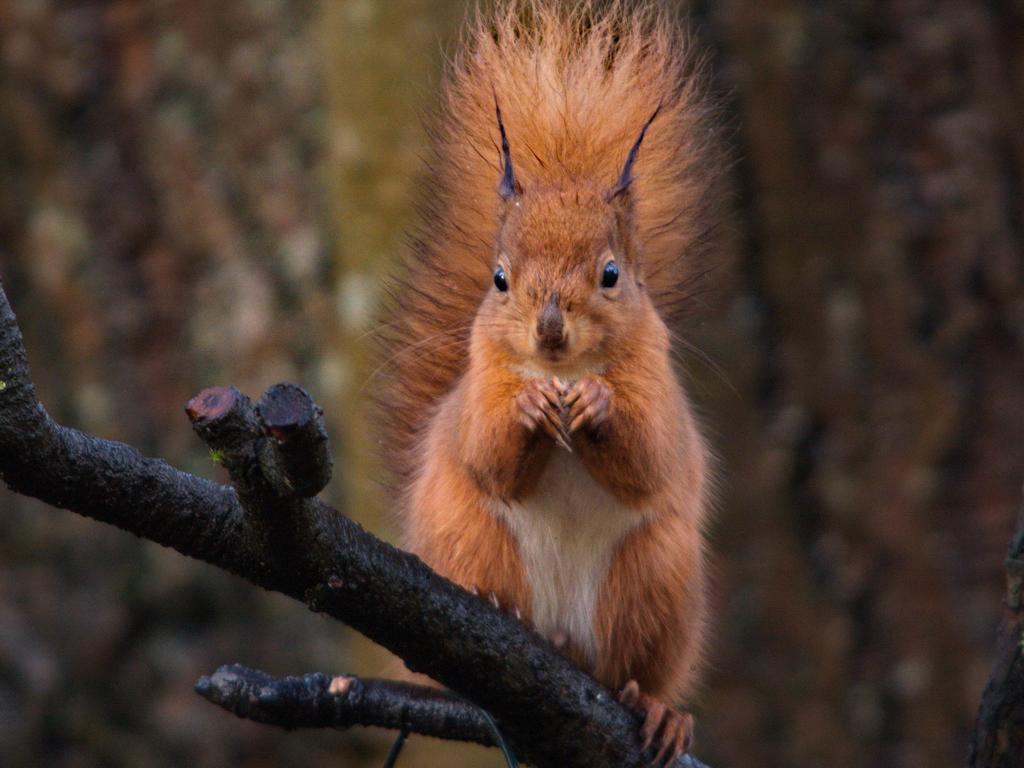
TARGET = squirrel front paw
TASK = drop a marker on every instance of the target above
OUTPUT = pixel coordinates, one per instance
(588, 403)
(540, 407)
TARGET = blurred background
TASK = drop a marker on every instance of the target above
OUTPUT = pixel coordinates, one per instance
(208, 193)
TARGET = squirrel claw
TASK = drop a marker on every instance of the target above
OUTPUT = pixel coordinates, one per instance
(629, 696)
(510, 609)
(556, 431)
(588, 403)
(561, 438)
(540, 407)
(668, 729)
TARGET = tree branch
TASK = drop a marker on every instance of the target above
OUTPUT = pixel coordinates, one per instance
(321, 701)
(551, 713)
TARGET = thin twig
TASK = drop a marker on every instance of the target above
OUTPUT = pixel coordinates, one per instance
(318, 700)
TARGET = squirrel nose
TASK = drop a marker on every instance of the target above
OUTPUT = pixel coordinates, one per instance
(550, 325)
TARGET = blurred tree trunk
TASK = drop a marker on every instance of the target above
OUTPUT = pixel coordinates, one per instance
(162, 228)
(873, 476)
(175, 176)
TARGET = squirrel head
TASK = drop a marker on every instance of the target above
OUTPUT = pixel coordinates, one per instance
(568, 289)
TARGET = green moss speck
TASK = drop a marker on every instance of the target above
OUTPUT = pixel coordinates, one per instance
(3, 385)
(217, 457)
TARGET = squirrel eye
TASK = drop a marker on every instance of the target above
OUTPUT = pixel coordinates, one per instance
(610, 276)
(500, 281)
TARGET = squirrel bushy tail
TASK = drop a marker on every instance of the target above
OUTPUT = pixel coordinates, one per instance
(575, 82)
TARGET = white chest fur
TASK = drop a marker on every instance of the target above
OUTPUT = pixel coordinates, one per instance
(568, 531)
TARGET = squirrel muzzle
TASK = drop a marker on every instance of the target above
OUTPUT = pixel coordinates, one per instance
(551, 326)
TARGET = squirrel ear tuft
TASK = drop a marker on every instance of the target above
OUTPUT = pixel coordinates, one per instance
(509, 187)
(626, 177)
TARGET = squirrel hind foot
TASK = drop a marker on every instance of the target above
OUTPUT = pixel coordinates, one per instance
(667, 729)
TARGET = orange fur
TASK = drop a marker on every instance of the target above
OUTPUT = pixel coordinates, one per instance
(482, 488)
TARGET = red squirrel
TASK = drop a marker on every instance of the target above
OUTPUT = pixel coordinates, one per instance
(544, 450)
